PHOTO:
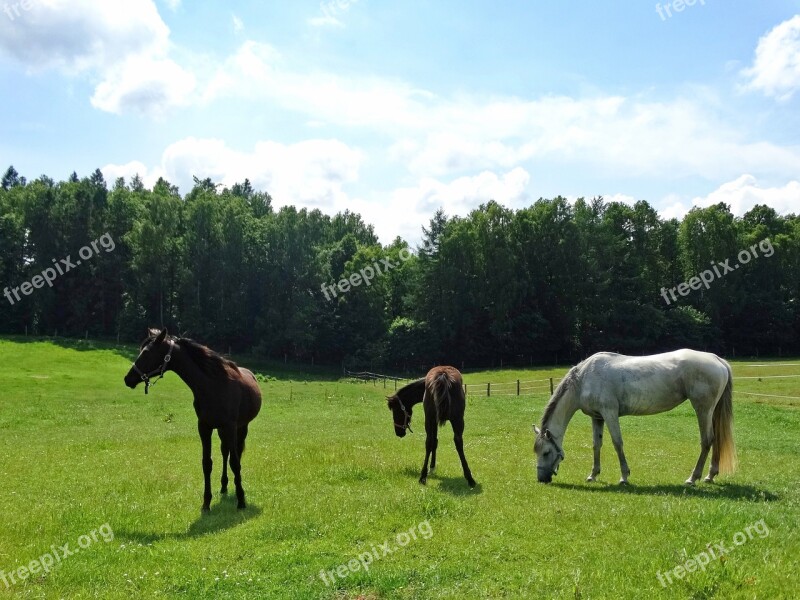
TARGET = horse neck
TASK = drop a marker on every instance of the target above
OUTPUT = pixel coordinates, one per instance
(565, 409)
(412, 400)
(187, 369)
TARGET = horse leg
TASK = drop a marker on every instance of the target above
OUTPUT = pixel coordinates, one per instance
(713, 470)
(612, 421)
(458, 440)
(205, 432)
(433, 452)
(704, 420)
(236, 465)
(597, 443)
(241, 436)
(225, 454)
(431, 442)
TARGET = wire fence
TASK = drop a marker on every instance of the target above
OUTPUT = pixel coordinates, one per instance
(545, 387)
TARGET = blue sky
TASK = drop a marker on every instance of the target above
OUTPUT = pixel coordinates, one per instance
(393, 110)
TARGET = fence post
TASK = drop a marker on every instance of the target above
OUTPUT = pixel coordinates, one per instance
(488, 390)
(395, 385)
(551, 386)
(517, 387)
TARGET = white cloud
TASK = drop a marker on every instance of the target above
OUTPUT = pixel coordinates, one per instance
(744, 193)
(82, 34)
(143, 84)
(173, 5)
(311, 173)
(123, 45)
(128, 170)
(776, 68)
(621, 198)
(741, 194)
(330, 13)
(238, 24)
(466, 193)
(436, 136)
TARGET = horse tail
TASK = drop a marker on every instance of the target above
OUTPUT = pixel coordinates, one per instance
(441, 397)
(724, 446)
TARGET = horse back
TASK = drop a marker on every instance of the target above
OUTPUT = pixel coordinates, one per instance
(643, 385)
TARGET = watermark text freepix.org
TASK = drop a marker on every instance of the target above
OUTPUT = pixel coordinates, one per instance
(47, 561)
(12, 10)
(365, 275)
(59, 268)
(706, 277)
(365, 559)
(665, 11)
(713, 552)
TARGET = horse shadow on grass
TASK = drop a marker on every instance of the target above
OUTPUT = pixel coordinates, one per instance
(223, 516)
(455, 486)
(729, 491)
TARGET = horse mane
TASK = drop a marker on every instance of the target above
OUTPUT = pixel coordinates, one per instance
(411, 393)
(209, 362)
(561, 390)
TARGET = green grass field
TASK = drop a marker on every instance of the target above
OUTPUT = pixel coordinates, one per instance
(327, 480)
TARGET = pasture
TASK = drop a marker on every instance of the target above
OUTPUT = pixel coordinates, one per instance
(327, 481)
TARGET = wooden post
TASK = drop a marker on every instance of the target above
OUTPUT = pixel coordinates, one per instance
(517, 387)
(551, 386)
(465, 390)
(384, 383)
(395, 385)
(488, 390)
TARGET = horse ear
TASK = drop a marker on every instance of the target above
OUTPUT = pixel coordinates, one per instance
(536, 430)
(161, 336)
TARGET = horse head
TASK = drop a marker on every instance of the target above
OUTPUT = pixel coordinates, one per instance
(548, 455)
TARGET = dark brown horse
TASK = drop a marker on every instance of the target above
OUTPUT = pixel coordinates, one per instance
(442, 396)
(226, 398)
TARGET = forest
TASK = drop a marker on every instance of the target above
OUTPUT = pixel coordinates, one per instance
(550, 283)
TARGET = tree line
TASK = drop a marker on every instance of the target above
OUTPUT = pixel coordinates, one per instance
(553, 282)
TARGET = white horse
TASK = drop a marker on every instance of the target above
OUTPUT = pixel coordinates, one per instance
(607, 386)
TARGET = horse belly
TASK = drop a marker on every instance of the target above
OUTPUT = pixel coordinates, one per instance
(649, 402)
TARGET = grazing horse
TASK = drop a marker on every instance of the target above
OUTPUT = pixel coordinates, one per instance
(607, 386)
(226, 398)
(442, 396)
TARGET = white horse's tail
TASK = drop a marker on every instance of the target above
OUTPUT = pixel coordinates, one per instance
(724, 446)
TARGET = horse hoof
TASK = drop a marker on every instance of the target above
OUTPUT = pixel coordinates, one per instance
(224, 491)
(423, 480)
(472, 483)
(623, 482)
(689, 482)
(590, 478)
(709, 480)
(241, 506)
(205, 509)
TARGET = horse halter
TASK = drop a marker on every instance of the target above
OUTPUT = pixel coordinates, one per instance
(160, 371)
(559, 451)
(407, 424)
